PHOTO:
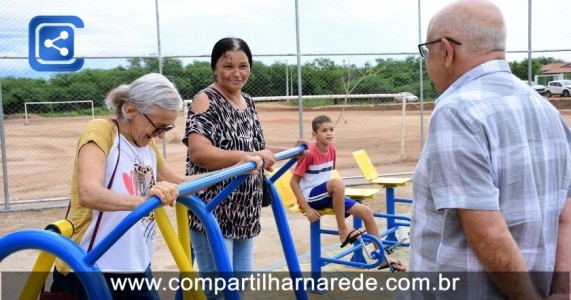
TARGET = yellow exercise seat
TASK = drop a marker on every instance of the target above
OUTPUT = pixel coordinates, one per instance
(352, 256)
(394, 221)
(290, 201)
(356, 193)
(288, 197)
(371, 174)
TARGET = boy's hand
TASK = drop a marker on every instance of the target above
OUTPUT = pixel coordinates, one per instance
(307, 144)
(312, 214)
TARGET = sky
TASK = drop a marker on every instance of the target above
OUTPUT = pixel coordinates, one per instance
(341, 29)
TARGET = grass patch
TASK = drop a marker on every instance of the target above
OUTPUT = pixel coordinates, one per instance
(314, 102)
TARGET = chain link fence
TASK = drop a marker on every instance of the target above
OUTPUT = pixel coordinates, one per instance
(366, 63)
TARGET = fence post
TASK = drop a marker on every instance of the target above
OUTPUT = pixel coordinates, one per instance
(4, 159)
(402, 124)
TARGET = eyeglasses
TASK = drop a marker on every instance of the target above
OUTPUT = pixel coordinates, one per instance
(424, 50)
(158, 130)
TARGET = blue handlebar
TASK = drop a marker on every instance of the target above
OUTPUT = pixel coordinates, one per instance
(184, 190)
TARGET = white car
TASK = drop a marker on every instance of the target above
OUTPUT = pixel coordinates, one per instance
(558, 87)
(409, 97)
(541, 89)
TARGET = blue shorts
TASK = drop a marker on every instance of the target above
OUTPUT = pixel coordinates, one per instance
(320, 198)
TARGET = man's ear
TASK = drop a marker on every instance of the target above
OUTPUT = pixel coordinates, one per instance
(448, 52)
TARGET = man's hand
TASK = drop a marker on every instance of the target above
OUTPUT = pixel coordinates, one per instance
(488, 235)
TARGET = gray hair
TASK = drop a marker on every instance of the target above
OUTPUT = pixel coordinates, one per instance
(476, 34)
(145, 93)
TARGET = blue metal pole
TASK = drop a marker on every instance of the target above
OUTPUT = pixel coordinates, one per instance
(391, 211)
(283, 169)
(215, 240)
(62, 247)
(358, 254)
(214, 235)
(224, 193)
(117, 233)
(287, 241)
(315, 249)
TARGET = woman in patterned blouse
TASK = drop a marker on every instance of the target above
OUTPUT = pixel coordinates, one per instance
(223, 127)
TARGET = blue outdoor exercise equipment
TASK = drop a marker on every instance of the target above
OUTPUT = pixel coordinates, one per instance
(85, 264)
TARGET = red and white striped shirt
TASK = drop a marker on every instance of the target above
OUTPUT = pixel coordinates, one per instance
(315, 168)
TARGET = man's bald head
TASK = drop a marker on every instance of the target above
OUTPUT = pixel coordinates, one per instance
(477, 24)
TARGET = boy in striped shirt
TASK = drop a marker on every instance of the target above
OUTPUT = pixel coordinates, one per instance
(314, 187)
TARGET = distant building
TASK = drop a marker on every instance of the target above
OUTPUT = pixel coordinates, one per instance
(558, 71)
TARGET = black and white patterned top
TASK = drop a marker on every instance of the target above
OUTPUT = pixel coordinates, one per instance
(229, 128)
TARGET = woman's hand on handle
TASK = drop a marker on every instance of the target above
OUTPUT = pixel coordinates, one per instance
(259, 163)
(167, 192)
(268, 159)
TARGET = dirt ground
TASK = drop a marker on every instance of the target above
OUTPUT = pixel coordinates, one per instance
(40, 154)
(379, 132)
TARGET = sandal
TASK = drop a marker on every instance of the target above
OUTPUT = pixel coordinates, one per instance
(350, 239)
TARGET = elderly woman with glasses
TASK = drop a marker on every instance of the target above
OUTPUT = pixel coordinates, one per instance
(117, 167)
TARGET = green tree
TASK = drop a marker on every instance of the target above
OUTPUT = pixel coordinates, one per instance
(321, 76)
(17, 91)
(198, 75)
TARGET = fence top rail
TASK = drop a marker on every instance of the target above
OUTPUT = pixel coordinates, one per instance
(331, 96)
(356, 96)
(59, 102)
